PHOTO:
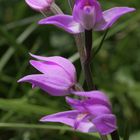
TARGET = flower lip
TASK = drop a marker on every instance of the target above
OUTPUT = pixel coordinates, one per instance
(83, 3)
(88, 9)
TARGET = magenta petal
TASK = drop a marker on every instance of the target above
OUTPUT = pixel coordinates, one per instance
(105, 124)
(66, 117)
(60, 61)
(65, 22)
(111, 16)
(97, 110)
(50, 69)
(56, 86)
(98, 97)
(39, 4)
(75, 104)
(72, 101)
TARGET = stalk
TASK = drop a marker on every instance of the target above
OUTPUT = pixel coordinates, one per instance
(55, 9)
(103, 137)
(79, 39)
(115, 135)
(71, 3)
(87, 67)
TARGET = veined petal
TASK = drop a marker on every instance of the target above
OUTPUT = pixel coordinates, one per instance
(105, 124)
(68, 118)
(97, 110)
(75, 104)
(56, 86)
(65, 22)
(60, 61)
(111, 16)
(98, 97)
(39, 4)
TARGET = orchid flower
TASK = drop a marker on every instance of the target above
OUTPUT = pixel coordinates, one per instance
(91, 114)
(87, 14)
(58, 75)
(39, 5)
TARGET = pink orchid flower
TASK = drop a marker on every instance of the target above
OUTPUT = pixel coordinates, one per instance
(87, 14)
(58, 75)
(91, 114)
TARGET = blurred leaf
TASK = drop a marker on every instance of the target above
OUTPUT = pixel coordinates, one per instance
(22, 107)
(135, 136)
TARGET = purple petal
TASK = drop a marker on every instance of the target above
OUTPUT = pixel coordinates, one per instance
(39, 4)
(75, 104)
(68, 118)
(62, 62)
(50, 69)
(111, 16)
(97, 97)
(56, 86)
(65, 22)
(105, 124)
(97, 110)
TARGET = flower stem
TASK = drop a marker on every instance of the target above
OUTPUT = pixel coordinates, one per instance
(55, 9)
(115, 135)
(71, 3)
(87, 67)
(103, 137)
(79, 39)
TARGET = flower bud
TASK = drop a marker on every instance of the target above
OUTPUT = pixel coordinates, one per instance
(39, 5)
(58, 75)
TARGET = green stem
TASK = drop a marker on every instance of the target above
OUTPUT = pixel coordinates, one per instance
(101, 43)
(55, 9)
(81, 48)
(71, 3)
(103, 137)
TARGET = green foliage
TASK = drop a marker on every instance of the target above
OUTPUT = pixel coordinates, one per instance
(115, 70)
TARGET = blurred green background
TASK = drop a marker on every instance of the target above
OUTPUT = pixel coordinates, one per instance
(116, 70)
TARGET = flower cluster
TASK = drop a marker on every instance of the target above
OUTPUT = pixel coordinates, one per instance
(92, 111)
